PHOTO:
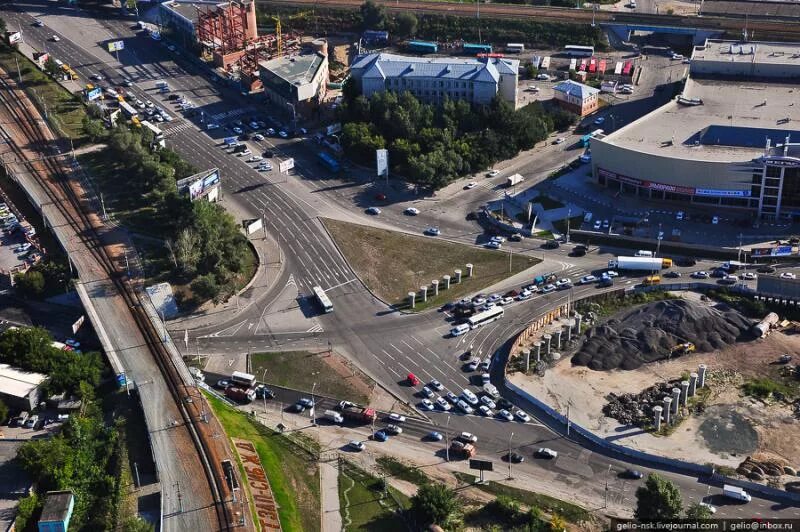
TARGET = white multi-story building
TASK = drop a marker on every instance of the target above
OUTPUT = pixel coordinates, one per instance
(433, 79)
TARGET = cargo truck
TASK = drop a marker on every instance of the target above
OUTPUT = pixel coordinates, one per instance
(240, 395)
(735, 492)
(461, 450)
(514, 180)
(358, 414)
(645, 264)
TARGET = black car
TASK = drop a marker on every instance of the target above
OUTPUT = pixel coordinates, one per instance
(514, 458)
(173, 97)
(466, 355)
(269, 154)
(718, 273)
(686, 261)
(579, 251)
(767, 269)
(447, 306)
(632, 474)
(297, 408)
(552, 244)
(504, 404)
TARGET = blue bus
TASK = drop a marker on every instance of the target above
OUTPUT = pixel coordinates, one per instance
(422, 47)
(475, 49)
(329, 162)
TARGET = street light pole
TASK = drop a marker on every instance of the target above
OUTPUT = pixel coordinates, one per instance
(446, 442)
(569, 215)
(313, 406)
(509, 456)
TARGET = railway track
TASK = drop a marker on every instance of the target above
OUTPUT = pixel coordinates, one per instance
(767, 29)
(58, 190)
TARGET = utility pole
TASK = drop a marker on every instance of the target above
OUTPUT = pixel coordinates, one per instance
(446, 442)
(509, 456)
(510, 256)
(568, 423)
(569, 215)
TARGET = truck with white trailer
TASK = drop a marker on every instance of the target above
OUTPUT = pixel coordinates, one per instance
(644, 264)
(514, 180)
(735, 492)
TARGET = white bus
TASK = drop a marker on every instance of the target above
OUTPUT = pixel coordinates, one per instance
(575, 50)
(128, 110)
(323, 299)
(241, 378)
(515, 48)
(487, 316)
(158, 135)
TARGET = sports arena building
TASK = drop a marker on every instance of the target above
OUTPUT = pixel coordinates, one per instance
(730, 140)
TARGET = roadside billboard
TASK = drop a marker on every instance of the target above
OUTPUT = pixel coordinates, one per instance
(382, 162)
(776, 251)
(203, 184)
(285, 165)
(13, 37)
(251, 226)
(116, 46)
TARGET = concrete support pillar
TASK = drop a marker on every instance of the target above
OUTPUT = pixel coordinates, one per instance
(667, 409)
(470, 270)
(676, 400)
(547, 339)
(684, 392)
(412, 299)
(423, 292)
(657, 417)
(527, 354)
(458, 276)
(538, 346)
(558, 339)
(446, 282)
(692, 384)
(701, 375)
(568, 329)
(578, 320)
(435, 284)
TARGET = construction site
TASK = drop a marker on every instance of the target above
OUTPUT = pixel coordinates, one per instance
(696, 381)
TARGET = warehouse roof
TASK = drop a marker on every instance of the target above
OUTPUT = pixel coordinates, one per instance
(778, 53)
(188, 10)
(575, 89)
(18, 383)
(732, 124)
(394, 66)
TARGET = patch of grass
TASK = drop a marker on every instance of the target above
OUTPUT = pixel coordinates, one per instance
(764, 388)
(393, 264)
(292, 472)
(548, 203)
(574, 223)
(301, 369)
(608, 304)
(365, 504)
(398, 469)
(569, 511)
(65, 111)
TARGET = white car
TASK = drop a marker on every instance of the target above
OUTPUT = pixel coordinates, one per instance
(432, 231)
(715, 220)
(543, 77)
(397, 418)
(560, 140)
(394, 429)
(265, 166)
(258, 136)
(469, 397)
(427, 392)
(486, 363)
(486, 411)
(564, 283)
(243, 153)
(711, 508)
(494, 298)
(55, 38)
(788, 275)
(255, 159)
(23, 247)
(356, 445)
(497, 238)
(611, 273)
(426, 404)
(606, 224)
(522, 416)
(473, 364)
(442, 403)
(750, 276)
(588, 279)
(546, 289)
(506, 301)
(597, 225)
(237, 130)
(282, 134)
(470, 185)
(679, 216)
(464, 407)
(411, 211)
(525, 294)
(436, 385)
(505, 414)
(546, 452)
(468, 437)
(700, 275)
(494, 244)
(485, 399)
(493, 173)
(38, 23)
(373, 210)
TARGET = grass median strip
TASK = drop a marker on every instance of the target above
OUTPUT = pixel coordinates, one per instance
(292, 474)
(393, 264)
(365, 504)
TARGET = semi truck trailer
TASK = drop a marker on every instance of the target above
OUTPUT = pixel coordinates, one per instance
(644, 264)
(358, 414)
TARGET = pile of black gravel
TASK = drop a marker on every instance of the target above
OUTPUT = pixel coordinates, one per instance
(647, 333)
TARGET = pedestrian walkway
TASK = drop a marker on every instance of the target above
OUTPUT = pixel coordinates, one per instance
(329, 495)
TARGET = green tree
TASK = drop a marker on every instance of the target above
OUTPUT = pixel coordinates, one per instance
(50, 66)
(373, 15)
(28, 510)
(696, 511)
(205, 287)
(504, 508)
(531, 71)
(2, 26)
(94, 129)
(436, 504)
(406, 24)
(30, 284)
(3, 412)
(136, 524)
(557, 523)
(187, 251)
(658, 498)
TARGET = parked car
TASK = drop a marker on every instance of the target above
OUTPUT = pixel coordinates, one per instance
(356, 445)
(393, 429)
(546, 452)
(397, 418)
(380, 436)
(373, 211)
(505, 414)
(411, 211)
(632, 474)
(434, 436)
(426, 404)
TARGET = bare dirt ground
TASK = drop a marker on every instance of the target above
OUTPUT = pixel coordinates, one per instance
(585, 391)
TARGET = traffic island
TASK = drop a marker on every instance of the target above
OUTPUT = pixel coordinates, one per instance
(393, 264)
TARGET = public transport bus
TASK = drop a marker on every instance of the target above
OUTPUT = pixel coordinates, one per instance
(243, 379)
(626, 70)
(582, 68)
(579, 51)
(473, 49)
(515, 48)
(592, 65)
(128, 110)
(329, 162)
(323, 299)
(573, 64)
(487, 316)
(618, 68)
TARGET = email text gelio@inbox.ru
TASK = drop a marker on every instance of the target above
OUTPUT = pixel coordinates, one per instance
(727, 525)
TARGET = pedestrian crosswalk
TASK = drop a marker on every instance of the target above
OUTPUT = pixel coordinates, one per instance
(176, 127)
(231, 114)
(317, 328)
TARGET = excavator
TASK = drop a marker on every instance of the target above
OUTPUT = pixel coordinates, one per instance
(683, 349)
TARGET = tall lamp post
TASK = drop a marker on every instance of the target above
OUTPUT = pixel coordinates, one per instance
(313, 406)
(446, 442)
(509, 456)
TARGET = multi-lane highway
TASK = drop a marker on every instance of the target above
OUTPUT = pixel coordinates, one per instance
(387, 345)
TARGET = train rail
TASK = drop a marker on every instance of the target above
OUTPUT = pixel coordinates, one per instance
(58, 189)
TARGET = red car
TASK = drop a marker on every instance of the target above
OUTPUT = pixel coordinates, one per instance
(412, 379)
(380, 196)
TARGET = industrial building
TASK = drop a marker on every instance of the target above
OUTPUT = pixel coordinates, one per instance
(181, 18)
(57, 511)
(434, 79)
(20, 389)
(297, 80)
(576, 97)
(730, 140)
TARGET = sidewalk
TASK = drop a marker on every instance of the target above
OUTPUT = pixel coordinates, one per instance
(329, 493)
(268, 271)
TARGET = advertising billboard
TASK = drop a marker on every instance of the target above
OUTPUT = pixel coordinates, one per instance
(200, 185)
(382, 162)
(116, 46)
(94, 94)
(777, 251)
(14, 37)
(285, 165)
(251, 226)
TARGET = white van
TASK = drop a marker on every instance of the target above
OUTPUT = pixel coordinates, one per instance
(458, 330)
(470, 397)
(644, 253)
(334, 416)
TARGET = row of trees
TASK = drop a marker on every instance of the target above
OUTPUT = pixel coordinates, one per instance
(205, 245)
(432, 145)
(31, 349)
(660, 499)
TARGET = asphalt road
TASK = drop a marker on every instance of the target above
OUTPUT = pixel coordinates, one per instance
(387, 345)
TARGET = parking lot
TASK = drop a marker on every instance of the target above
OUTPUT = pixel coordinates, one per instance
(18, 243)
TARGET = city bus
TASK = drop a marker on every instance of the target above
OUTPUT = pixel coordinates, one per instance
(515, 48)
(579, 51)
(487, 316)
(626, 70)
(158, 135)
(241, 378)
(128, 110)
(329, 162)
(323, 299)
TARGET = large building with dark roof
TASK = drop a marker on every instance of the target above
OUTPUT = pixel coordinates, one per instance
(434, 79)
(731, 140)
